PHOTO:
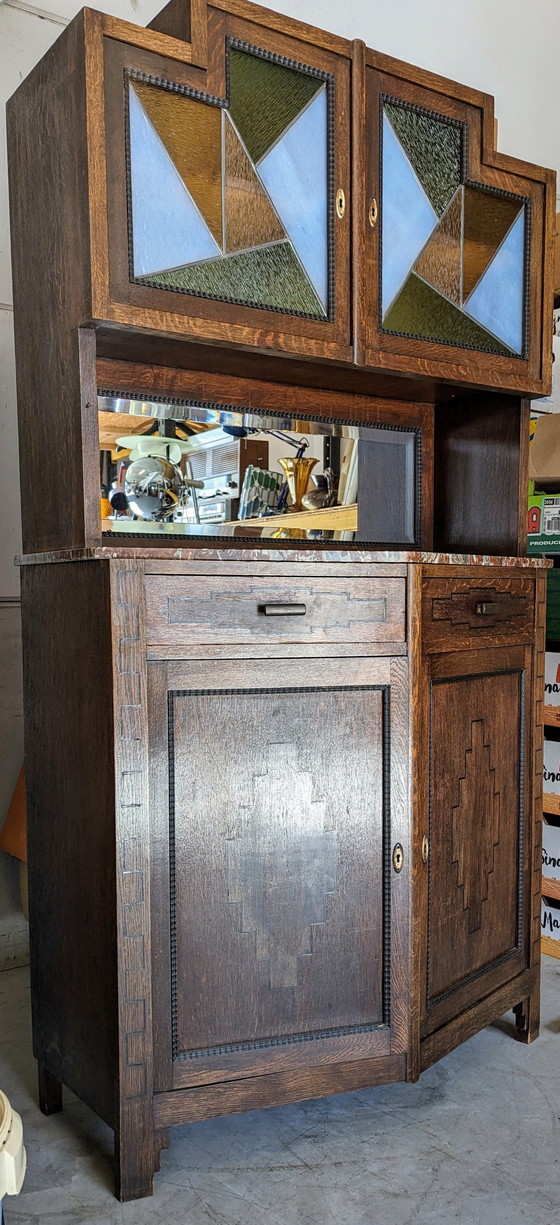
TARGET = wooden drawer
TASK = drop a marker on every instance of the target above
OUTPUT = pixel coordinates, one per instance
(193, 609)
(462, 612)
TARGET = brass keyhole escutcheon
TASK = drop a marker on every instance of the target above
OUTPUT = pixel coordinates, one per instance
(372, 212)
(398, 858)
(340, 203)
(425, 849)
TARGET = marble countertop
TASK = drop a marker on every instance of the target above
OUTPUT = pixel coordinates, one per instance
(263, 554)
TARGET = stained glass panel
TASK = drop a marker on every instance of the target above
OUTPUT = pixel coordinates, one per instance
(497, 301)
(250, 218)
(434, 148)
(407, 217)
(265, 97)
(441, 261)
(191, 133)
(488, 218)
(268, 277)
(167, 228)
(420, 311)
(295, 175)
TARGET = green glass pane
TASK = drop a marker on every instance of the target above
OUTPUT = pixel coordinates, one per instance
(420, 311)
(265, 97)
(270, 277)
(434, 148)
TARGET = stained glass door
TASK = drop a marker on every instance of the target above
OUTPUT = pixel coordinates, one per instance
(451, 243)
(230, 189)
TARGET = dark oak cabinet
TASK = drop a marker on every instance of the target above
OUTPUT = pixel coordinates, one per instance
(278, 306)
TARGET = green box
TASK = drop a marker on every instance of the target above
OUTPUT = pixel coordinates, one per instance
(543, 524)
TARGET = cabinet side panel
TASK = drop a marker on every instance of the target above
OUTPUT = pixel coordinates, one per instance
(70, 807)
(47, 161)
(480, 459)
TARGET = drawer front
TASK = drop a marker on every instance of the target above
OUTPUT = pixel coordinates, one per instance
(459, 613)
(183, 609)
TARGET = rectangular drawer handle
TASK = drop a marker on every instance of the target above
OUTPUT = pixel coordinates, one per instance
(283, 610)
(485, 609)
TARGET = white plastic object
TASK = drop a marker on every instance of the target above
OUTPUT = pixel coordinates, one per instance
(13, 1159)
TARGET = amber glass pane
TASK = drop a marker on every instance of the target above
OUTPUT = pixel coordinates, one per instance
(268, 277)
(440, 262)
(434, 147)
(420, 311)
(192, 134)
(265, 98)
(487, 221)
(250, 218)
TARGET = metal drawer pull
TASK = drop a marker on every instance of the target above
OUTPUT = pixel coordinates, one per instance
(487, 610)
(283, 610)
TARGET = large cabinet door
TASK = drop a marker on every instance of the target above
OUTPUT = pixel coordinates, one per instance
(280, 926)
(479, 828)
(228, 188)
(454, 253)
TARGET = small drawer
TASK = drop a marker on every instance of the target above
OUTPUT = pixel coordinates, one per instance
(182, 609)
(462, 612)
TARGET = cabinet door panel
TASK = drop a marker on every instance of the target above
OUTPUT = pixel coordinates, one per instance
(272, 836)
(477, 871)
(455, 260)
(222, 189)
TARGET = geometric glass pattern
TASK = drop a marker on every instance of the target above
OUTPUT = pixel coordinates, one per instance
(461, 280)
(230, 199)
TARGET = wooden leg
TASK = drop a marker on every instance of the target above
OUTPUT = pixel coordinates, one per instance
(161, 1141)
(135, 1148)
(50, 1091)
(527, 1018)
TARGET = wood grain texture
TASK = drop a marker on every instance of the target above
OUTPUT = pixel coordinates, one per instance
(481, 458)
(179, 609)
(134, 1139)
(482, 1013)
(459, 612)
(480, 808)
(71, 833)
(190, 1105)
(291, 712)
(48, 168)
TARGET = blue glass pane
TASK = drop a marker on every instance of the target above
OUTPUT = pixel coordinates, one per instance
(497, 302)
(167, 228)
(294, 173)
(407, 216)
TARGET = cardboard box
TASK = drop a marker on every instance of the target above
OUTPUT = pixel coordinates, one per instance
(543, 523)
(544, 451)
(550, 928)
(552, 689)
(551, 861)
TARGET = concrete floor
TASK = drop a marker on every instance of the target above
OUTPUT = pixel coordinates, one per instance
(475, 1141)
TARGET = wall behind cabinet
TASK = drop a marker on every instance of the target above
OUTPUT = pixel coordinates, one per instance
(506, 47)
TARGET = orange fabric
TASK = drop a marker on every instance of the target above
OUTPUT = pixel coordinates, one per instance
(13, 837)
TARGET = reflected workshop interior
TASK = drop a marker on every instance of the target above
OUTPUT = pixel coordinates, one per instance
(205, 470)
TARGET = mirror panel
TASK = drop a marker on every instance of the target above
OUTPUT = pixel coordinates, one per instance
(206, 470)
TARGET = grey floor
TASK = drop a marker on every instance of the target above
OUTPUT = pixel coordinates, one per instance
(475, 1141)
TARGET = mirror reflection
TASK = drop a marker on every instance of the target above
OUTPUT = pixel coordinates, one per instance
(203, 470)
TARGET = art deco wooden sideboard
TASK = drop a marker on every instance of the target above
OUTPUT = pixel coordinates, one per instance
(283, 742)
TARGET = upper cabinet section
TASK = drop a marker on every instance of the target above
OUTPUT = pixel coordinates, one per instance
(227, 186)
(456, 269)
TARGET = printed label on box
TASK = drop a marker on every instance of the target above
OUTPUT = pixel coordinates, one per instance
(551, 771)
(552, 678)
(551, 851)
(550, 921)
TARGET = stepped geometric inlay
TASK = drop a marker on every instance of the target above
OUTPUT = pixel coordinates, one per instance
(282, 863)
(476, 825)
